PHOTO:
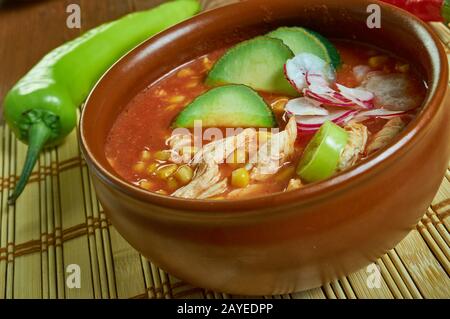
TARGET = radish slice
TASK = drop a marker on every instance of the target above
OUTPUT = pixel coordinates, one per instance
(328, 96)
(316, 80)
(360, 97)
(359, 94)
(313, 77)
(297, 68)
(381, 113)
(321, 90)
(304, 106)
(313, 123)
(346, 97)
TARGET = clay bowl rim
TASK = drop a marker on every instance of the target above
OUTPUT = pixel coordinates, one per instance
(343, 181)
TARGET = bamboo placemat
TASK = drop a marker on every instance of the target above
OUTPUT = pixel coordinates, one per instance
(58, 222)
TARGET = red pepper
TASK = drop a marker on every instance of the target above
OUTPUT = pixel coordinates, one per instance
(427, 10)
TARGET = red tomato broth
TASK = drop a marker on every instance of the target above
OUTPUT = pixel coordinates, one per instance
(145, 123)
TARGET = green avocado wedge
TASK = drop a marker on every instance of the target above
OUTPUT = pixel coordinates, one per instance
(230, 106)
(301, 40)
(257, 63)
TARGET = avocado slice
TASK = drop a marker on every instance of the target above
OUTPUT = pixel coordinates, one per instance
(301, 40)
(230, 106)
(257, 63)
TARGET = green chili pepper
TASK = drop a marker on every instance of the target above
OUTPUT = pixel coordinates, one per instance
(321, 156)
(41, 108)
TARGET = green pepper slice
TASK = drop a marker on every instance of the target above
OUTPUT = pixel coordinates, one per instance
(321, 156)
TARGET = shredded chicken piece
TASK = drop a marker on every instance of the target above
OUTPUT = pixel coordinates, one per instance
(178, 144)
(396, 92)
(356, 145)
(274, 153)
(360, 72)
(215, 190)
(220, 150)
(206, 181)
(294, 183)
(206, 176)
(250, 190)
(387, 133)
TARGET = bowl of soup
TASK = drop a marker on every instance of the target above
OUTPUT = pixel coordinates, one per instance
(273, 150)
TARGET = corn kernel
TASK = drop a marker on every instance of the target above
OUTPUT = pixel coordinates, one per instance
(146, 185)
(160, 93)
(145, 155)
(162, 155)
(139, 167)
(185, 73)
(152, 168)
(184, 174)
(176, 99)
(164, 172)
(192, 84)
(378, 61)
(240, 178)
(402, 67)
(161, 192)
(172, 107)
(207, 63)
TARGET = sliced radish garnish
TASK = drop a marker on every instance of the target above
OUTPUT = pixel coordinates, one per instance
(359, 94)
(304, 106)
(380, 113)
(321, 89)
(327, 96)
(360, 97)
(297, 68)
(295, 77)
(316, 80)
(313, 77)
(313, 123)
(346, 97)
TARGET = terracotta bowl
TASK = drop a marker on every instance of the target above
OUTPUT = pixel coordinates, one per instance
(289, 241)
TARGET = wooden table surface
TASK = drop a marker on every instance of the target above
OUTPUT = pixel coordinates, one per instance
(29, 29)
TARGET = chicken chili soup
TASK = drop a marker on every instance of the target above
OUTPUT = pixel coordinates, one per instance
(270, 114)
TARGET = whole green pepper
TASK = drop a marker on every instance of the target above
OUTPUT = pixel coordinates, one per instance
(41, 108)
